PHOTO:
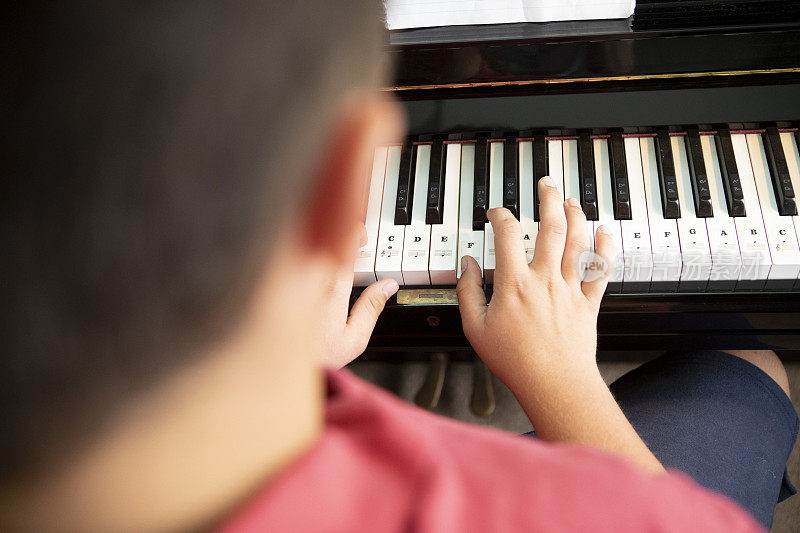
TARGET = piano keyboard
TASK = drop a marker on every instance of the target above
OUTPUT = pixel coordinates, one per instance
(690, 209)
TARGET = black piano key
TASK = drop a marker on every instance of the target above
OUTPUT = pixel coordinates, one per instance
(480, 196)
(405, 184)
(540, 168)
(433, 213)
(779, 170)
(619, 177)
(511, 175)
(730, 173)
(697, 174)
(586, 176)
(667, 181)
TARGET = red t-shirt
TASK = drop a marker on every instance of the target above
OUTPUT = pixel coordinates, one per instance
(384, 465)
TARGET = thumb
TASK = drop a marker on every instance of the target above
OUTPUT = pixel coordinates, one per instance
(471, 298)
(367, 309)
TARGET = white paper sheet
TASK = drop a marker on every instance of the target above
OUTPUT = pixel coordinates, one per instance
(402, 14)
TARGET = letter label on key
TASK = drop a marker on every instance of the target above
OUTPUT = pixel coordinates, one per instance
(444, 237)
(388, 262)
(667, 261)
(470, 240)
(636, 245)
(756, 260)
(778, 227)
(692, 227)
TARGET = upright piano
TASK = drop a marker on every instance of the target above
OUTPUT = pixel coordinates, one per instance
(677, 129)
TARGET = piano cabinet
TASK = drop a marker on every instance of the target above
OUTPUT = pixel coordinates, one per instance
(614, 75)
(640, 322)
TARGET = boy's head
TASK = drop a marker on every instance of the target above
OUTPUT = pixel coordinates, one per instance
(156, 154)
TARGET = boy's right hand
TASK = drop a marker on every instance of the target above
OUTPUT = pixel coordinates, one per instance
(539, 333)
(541, 325)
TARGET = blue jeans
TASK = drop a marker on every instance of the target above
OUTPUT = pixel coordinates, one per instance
(719, 419)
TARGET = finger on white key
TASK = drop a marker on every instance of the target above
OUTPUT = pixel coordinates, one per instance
(510, 261)
(552, 228)
(470, 240)
(496, 166)
(527, 197)
(471, 298)
(577, 241)
(605, 205)
(444, 237)
(596, 279)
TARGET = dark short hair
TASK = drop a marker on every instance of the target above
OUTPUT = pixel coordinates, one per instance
(150, 151)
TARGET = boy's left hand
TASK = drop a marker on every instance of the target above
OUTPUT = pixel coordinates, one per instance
(345, 337)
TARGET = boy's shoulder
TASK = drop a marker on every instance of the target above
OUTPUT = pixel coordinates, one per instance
(385, 465)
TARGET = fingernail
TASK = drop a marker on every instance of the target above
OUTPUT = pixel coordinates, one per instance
(602, 230)
(572, 202)
(464, 264)
(548, 181)
(390, 287)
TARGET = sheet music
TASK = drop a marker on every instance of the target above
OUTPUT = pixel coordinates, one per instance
(402, 14)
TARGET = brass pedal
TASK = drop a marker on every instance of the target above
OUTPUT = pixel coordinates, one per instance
(482, 402)
(428, 395)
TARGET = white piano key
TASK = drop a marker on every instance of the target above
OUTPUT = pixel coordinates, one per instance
(364, 268)
(526, 184)
(726, 262)
(636, 231)
(753, 246)
(470, 242)
(792, 153)
(389, 254)
(444, 236)
(781, 237)
(692, 230)
(605, 207)
(667, 263)
(572, 185)
(495, 200)
(555, 161)
(417, 239)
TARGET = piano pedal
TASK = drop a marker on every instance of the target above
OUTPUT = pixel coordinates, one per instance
(429, 393)
(482, 402)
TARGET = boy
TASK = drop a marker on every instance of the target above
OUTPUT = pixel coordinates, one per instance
(182, 212)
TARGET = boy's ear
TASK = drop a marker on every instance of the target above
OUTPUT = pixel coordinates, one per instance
(337, 199)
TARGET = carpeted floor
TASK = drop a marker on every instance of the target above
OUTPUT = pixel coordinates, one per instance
(405, 380)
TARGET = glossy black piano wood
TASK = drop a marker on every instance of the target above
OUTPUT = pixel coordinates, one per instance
(627, 322)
